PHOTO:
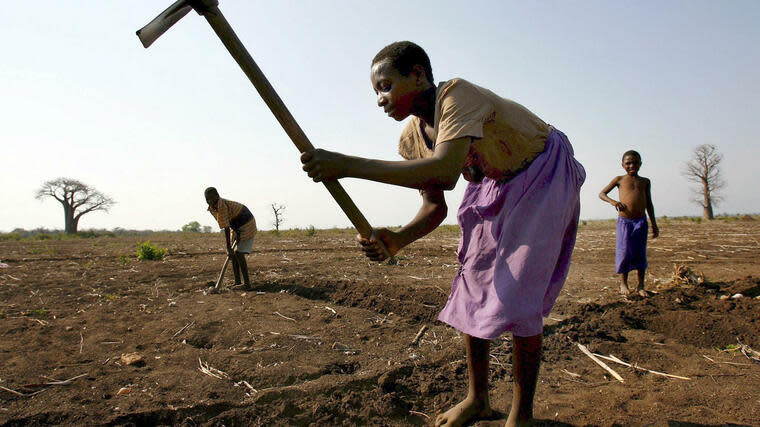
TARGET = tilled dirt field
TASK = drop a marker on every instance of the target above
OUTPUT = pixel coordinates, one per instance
(325, 337)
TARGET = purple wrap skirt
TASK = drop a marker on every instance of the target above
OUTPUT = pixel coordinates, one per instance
(517, 240)
(631, 244)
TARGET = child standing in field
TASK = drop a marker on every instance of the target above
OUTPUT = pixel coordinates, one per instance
(634, 205)
(238, 223)
(518, 217)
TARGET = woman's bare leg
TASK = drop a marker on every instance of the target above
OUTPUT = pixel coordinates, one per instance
(476, 404)
(526, 361)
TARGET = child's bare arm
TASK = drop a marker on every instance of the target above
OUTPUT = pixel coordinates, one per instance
(440, 171)
(603, 194)
(650, 209)
(432, 212)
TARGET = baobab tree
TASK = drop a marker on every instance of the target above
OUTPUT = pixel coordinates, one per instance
(704, 169)
(278, 220)
(77, 199)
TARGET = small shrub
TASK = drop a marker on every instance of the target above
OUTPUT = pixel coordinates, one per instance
(90, 234)
(448, 228)
(396, 258)
(10, 236)
(192, 227)
(147, 251)
(311, 231)
(123, 259)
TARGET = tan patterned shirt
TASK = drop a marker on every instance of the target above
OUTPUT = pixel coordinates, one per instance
(506, 136)
(226, 212)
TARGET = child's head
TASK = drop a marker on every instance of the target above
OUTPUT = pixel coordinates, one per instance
(212, 196)
(400, 72)
(631, 162)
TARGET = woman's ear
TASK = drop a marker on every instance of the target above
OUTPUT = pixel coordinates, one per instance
(419, 74)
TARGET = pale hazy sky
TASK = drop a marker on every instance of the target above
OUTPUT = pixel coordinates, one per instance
(80, 97)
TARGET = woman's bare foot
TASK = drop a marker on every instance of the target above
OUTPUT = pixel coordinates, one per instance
(642, 292)
(624, 290)
(463, 412)
(511, 423)
(515, 419)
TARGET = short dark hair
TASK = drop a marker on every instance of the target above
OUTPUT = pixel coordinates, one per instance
(403, 56)
(210, 191)
(632, 153)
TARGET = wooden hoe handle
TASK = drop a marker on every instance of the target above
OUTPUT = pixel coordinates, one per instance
(209, 10)
(233, 44)
(224, 266)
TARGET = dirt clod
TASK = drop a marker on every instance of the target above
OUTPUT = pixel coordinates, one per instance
(132, 359)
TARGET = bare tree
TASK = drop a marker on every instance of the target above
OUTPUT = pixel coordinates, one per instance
(704, 169)
(77, 199)
(278, 212)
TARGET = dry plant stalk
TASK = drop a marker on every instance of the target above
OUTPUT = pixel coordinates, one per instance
(211, 371)
(183, 328)
(684, 275)
(44, 385)
(285, 317)
(726, 363)
(304, 337)
(419, 413)
(747, 351)
(612, 358)
(22, 394)
(249, 386)
(588, 353)
(54, 381)
(344, 348)
(419, 334)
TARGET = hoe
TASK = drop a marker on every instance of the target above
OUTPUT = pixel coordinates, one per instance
(209, 9)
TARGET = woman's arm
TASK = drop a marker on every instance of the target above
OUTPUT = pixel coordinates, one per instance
(432, 212)
(441, 171)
